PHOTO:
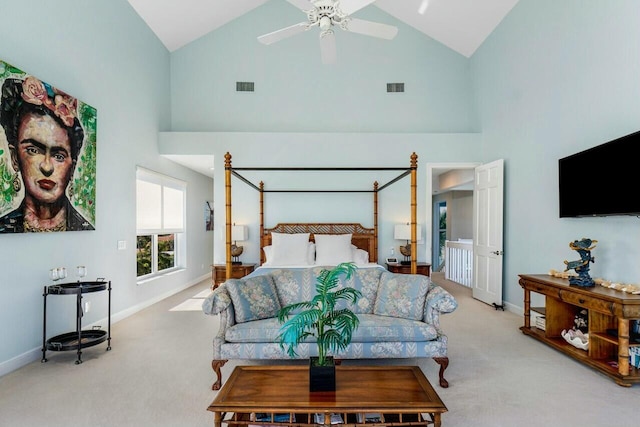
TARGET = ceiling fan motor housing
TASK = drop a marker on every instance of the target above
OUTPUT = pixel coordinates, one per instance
(326, 13)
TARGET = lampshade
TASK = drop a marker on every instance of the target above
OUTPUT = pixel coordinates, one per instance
(403, 232)
(239, 233)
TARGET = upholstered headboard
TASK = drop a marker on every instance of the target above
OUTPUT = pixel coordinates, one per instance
(361, 237)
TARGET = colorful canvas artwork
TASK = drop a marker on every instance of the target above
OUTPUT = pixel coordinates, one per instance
(47, 157)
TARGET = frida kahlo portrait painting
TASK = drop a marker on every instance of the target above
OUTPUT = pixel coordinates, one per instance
(47, 157)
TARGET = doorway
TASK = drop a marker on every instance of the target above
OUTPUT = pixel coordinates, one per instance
(436, 210)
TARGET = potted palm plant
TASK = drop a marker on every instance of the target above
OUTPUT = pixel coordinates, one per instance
(319, 318)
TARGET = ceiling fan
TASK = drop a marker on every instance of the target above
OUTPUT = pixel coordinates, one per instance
(325, 14)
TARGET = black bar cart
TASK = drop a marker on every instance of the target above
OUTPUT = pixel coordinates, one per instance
(78, 339)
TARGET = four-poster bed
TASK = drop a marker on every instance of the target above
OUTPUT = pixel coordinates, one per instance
(398, 313)
(363, 238)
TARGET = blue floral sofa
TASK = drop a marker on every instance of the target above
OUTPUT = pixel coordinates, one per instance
(399, 316)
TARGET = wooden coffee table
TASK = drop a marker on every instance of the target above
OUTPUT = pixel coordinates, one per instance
(401, 394)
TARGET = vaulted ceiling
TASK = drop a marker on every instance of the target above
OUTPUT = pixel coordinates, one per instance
(461, 25)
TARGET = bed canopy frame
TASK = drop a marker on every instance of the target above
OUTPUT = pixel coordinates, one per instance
(356, 229)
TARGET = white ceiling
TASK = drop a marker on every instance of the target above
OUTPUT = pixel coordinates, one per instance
(461, 25)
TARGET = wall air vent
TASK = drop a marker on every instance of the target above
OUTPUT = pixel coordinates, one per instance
(245, 86)
(395, 87)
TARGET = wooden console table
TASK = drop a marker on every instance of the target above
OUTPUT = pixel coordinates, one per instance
(400, 393)
(609, 310)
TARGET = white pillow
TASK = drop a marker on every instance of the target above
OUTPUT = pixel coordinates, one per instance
(333, 249)
(290, 249)
(268, 255)
(360, 256)
(311, 254)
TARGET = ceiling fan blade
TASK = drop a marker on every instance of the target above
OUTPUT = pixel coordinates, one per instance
(328, 50)
(303, 5)
(351, 6)
(283, 33)
(369, 28)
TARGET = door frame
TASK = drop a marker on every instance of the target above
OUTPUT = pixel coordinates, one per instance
(429, 198)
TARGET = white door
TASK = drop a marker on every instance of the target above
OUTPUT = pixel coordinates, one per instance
(487, 232)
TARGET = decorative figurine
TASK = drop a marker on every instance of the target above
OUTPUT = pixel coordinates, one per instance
(581, 266)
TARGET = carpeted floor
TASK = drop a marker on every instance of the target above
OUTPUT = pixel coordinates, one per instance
(159, 374)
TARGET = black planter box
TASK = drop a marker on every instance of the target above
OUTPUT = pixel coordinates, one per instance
(322, 378)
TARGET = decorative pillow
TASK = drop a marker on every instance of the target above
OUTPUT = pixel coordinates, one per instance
(360, 256)
(253, 298)
(333, 249)
(365, 280)
(290, 249)
(401, 295)
(311, 254)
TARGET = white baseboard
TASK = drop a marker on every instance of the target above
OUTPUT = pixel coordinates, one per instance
(36, 353)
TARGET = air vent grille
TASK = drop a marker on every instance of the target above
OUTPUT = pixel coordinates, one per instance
(395, 87)
(245, 86)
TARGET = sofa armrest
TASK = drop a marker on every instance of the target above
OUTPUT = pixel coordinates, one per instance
(217, 301)
(438, 301)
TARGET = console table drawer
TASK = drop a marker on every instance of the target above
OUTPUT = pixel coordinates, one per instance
(541, 288)
(587, 302)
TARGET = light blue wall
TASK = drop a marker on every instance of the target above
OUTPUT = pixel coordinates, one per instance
(296, 93)
(321, 150)
(102, 53)
(555, 78)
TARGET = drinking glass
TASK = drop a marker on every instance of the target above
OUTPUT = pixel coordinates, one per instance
(81, 271)
(53, 274)
(62, 273)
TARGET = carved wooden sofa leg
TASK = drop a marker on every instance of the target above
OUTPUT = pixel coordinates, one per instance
(216, 365)
(443, 362)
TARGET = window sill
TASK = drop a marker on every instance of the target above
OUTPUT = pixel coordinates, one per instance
(154, 277)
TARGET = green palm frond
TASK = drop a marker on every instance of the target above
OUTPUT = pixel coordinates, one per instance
(332, 328)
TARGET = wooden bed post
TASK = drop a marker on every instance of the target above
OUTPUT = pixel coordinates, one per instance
(227, 187)
(262, 258)
(375, 221)
(414, 215)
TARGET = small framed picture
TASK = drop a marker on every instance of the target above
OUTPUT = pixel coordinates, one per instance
(392, 260)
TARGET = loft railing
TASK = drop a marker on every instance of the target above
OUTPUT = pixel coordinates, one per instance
(458, 266)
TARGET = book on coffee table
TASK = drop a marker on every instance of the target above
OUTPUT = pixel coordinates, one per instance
(371, 417)
(335, 419)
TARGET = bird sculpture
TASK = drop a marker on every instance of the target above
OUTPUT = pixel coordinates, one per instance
(236, 251)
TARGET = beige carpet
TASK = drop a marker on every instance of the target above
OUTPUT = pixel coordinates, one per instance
(159, 374)
(192, 304)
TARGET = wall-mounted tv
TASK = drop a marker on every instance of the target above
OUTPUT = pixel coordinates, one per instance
(603, 180)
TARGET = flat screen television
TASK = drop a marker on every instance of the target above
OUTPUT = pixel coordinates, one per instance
(603, 180)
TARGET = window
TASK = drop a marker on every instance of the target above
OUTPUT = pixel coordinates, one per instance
(160, 216)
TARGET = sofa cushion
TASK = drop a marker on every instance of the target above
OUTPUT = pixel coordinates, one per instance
(401, 295)
(375, 328)
(372, 329)
(294, 285)
(253, 298)
(365, 280)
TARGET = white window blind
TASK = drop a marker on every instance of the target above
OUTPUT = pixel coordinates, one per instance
(160, 203)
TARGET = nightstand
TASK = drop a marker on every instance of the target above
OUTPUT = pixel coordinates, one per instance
(423, 268)
(219, 272)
